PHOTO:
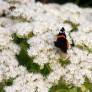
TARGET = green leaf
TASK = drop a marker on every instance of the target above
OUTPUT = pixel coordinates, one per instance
(22, 42)
(88, 84)
(25, 60)
(9, 82)
(73, 25)
(60, 87)
(6, 82)
(74, 89)
(31, 34)
(2, 88)
(46, 70)
(20, 19)
(64, 62)
(23, 57)
(83, 46)
(63, 87)
(62, 90)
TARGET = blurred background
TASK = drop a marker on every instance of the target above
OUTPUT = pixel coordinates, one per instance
(81, 3)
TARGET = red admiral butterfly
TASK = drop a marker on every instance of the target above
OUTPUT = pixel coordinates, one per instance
(61, 41)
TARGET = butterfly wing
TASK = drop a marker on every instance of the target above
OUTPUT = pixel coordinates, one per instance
(62, 44)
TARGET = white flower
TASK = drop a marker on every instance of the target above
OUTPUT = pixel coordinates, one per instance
(3, 7)
(45, 22)
(28, 82)
(23, 12)
(22, 29)
(5, 22)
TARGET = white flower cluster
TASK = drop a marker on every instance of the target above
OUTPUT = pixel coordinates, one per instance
(81, 65)
(22, 29)
(8, 50)
(3, 7)
(42, 47)
(19, 1)
(27, 83)
(44, 21)
(84, 37)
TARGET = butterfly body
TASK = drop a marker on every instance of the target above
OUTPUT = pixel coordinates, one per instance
(61, 41)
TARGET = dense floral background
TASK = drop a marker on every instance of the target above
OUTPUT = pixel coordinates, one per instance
(29, 60)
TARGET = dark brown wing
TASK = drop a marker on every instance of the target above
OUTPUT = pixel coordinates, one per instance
(62, 43)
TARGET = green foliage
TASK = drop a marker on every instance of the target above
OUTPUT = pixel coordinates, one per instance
(60, 87)
(64, 62)
(23, 56)
(4, 83)
(88, 85)
(83, 46)
(74, 29)
(31, 34)
(75, 89)
(22, 42)
(46, 70)
(20, 19)
(1, 88)
(73, 25)
(63, 87)
(8, 82)
(27, 61)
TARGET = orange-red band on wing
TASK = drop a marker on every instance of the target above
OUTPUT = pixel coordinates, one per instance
(61, 36)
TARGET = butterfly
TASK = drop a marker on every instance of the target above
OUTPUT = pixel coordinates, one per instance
(61, 41)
